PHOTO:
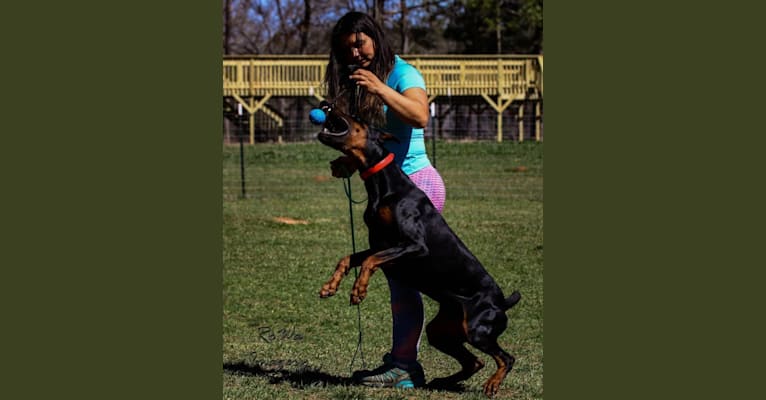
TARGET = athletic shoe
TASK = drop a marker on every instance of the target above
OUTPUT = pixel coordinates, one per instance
(392, 375)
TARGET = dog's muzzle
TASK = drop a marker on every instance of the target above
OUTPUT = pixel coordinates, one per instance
(334, 126)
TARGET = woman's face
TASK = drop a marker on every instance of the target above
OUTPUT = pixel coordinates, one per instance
(359, 49)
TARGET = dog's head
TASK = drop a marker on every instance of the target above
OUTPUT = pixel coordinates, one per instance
(349, 135)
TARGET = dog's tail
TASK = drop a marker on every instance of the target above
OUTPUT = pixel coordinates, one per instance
(512, 299)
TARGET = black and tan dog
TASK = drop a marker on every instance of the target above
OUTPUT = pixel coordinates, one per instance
(413, 244)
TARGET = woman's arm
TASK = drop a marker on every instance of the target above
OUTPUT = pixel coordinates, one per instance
(410, 106)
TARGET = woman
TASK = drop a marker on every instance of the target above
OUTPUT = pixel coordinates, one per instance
(385, 91)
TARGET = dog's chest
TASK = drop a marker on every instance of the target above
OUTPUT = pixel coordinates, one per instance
(381, 217)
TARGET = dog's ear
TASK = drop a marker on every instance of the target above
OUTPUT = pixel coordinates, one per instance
(381, 136)
(387, 136)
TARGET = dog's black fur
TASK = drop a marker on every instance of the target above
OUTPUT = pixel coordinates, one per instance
(413, 244)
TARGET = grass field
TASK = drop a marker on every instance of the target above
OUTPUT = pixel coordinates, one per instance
(282, 241)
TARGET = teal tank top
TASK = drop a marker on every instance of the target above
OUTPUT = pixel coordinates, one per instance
(410, 152)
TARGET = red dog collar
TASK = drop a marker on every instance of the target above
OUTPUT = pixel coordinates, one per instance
(377, 167)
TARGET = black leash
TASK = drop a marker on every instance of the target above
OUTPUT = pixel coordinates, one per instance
(355, 98)
(351, 202)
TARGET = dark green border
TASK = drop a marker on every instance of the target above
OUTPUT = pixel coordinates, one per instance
(646, 227)
(597, 269)
(114, 200)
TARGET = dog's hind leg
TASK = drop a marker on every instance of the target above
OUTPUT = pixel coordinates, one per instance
(447, 333)
(504, 363)
(483, 335)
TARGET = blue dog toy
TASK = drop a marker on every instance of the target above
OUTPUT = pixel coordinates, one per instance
(317, 116)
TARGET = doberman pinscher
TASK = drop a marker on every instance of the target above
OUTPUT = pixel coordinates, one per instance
(413, 244)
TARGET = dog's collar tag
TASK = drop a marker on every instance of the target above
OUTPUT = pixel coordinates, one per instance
(377, 167)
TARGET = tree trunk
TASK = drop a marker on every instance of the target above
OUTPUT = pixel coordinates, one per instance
(305, 26)
(498, 25)
(226, 25)
(405, 43)
(377, 11)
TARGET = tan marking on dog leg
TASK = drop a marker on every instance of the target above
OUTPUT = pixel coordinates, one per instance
(329, 288)
(359, 291)
(493, 383)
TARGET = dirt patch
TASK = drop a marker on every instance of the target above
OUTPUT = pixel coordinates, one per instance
(290, 221)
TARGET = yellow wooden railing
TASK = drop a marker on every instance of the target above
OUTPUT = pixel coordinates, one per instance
(498, 79)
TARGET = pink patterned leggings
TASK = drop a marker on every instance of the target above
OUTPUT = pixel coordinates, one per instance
(430, 182)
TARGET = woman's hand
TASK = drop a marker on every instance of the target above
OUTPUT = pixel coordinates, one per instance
(368, 80)
(410, 106)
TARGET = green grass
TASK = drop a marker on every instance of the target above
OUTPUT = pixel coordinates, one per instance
(282, 342)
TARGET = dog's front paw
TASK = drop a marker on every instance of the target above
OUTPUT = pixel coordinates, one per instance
(343, 167)
(357, 296)
(356, 299)
(327, 291)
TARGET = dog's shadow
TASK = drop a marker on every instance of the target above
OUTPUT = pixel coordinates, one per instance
(299, 377)
(302, 376)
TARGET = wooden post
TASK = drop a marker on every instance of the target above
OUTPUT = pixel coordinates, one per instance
(499, 126)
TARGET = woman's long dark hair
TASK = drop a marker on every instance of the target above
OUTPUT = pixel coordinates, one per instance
(339, 86)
